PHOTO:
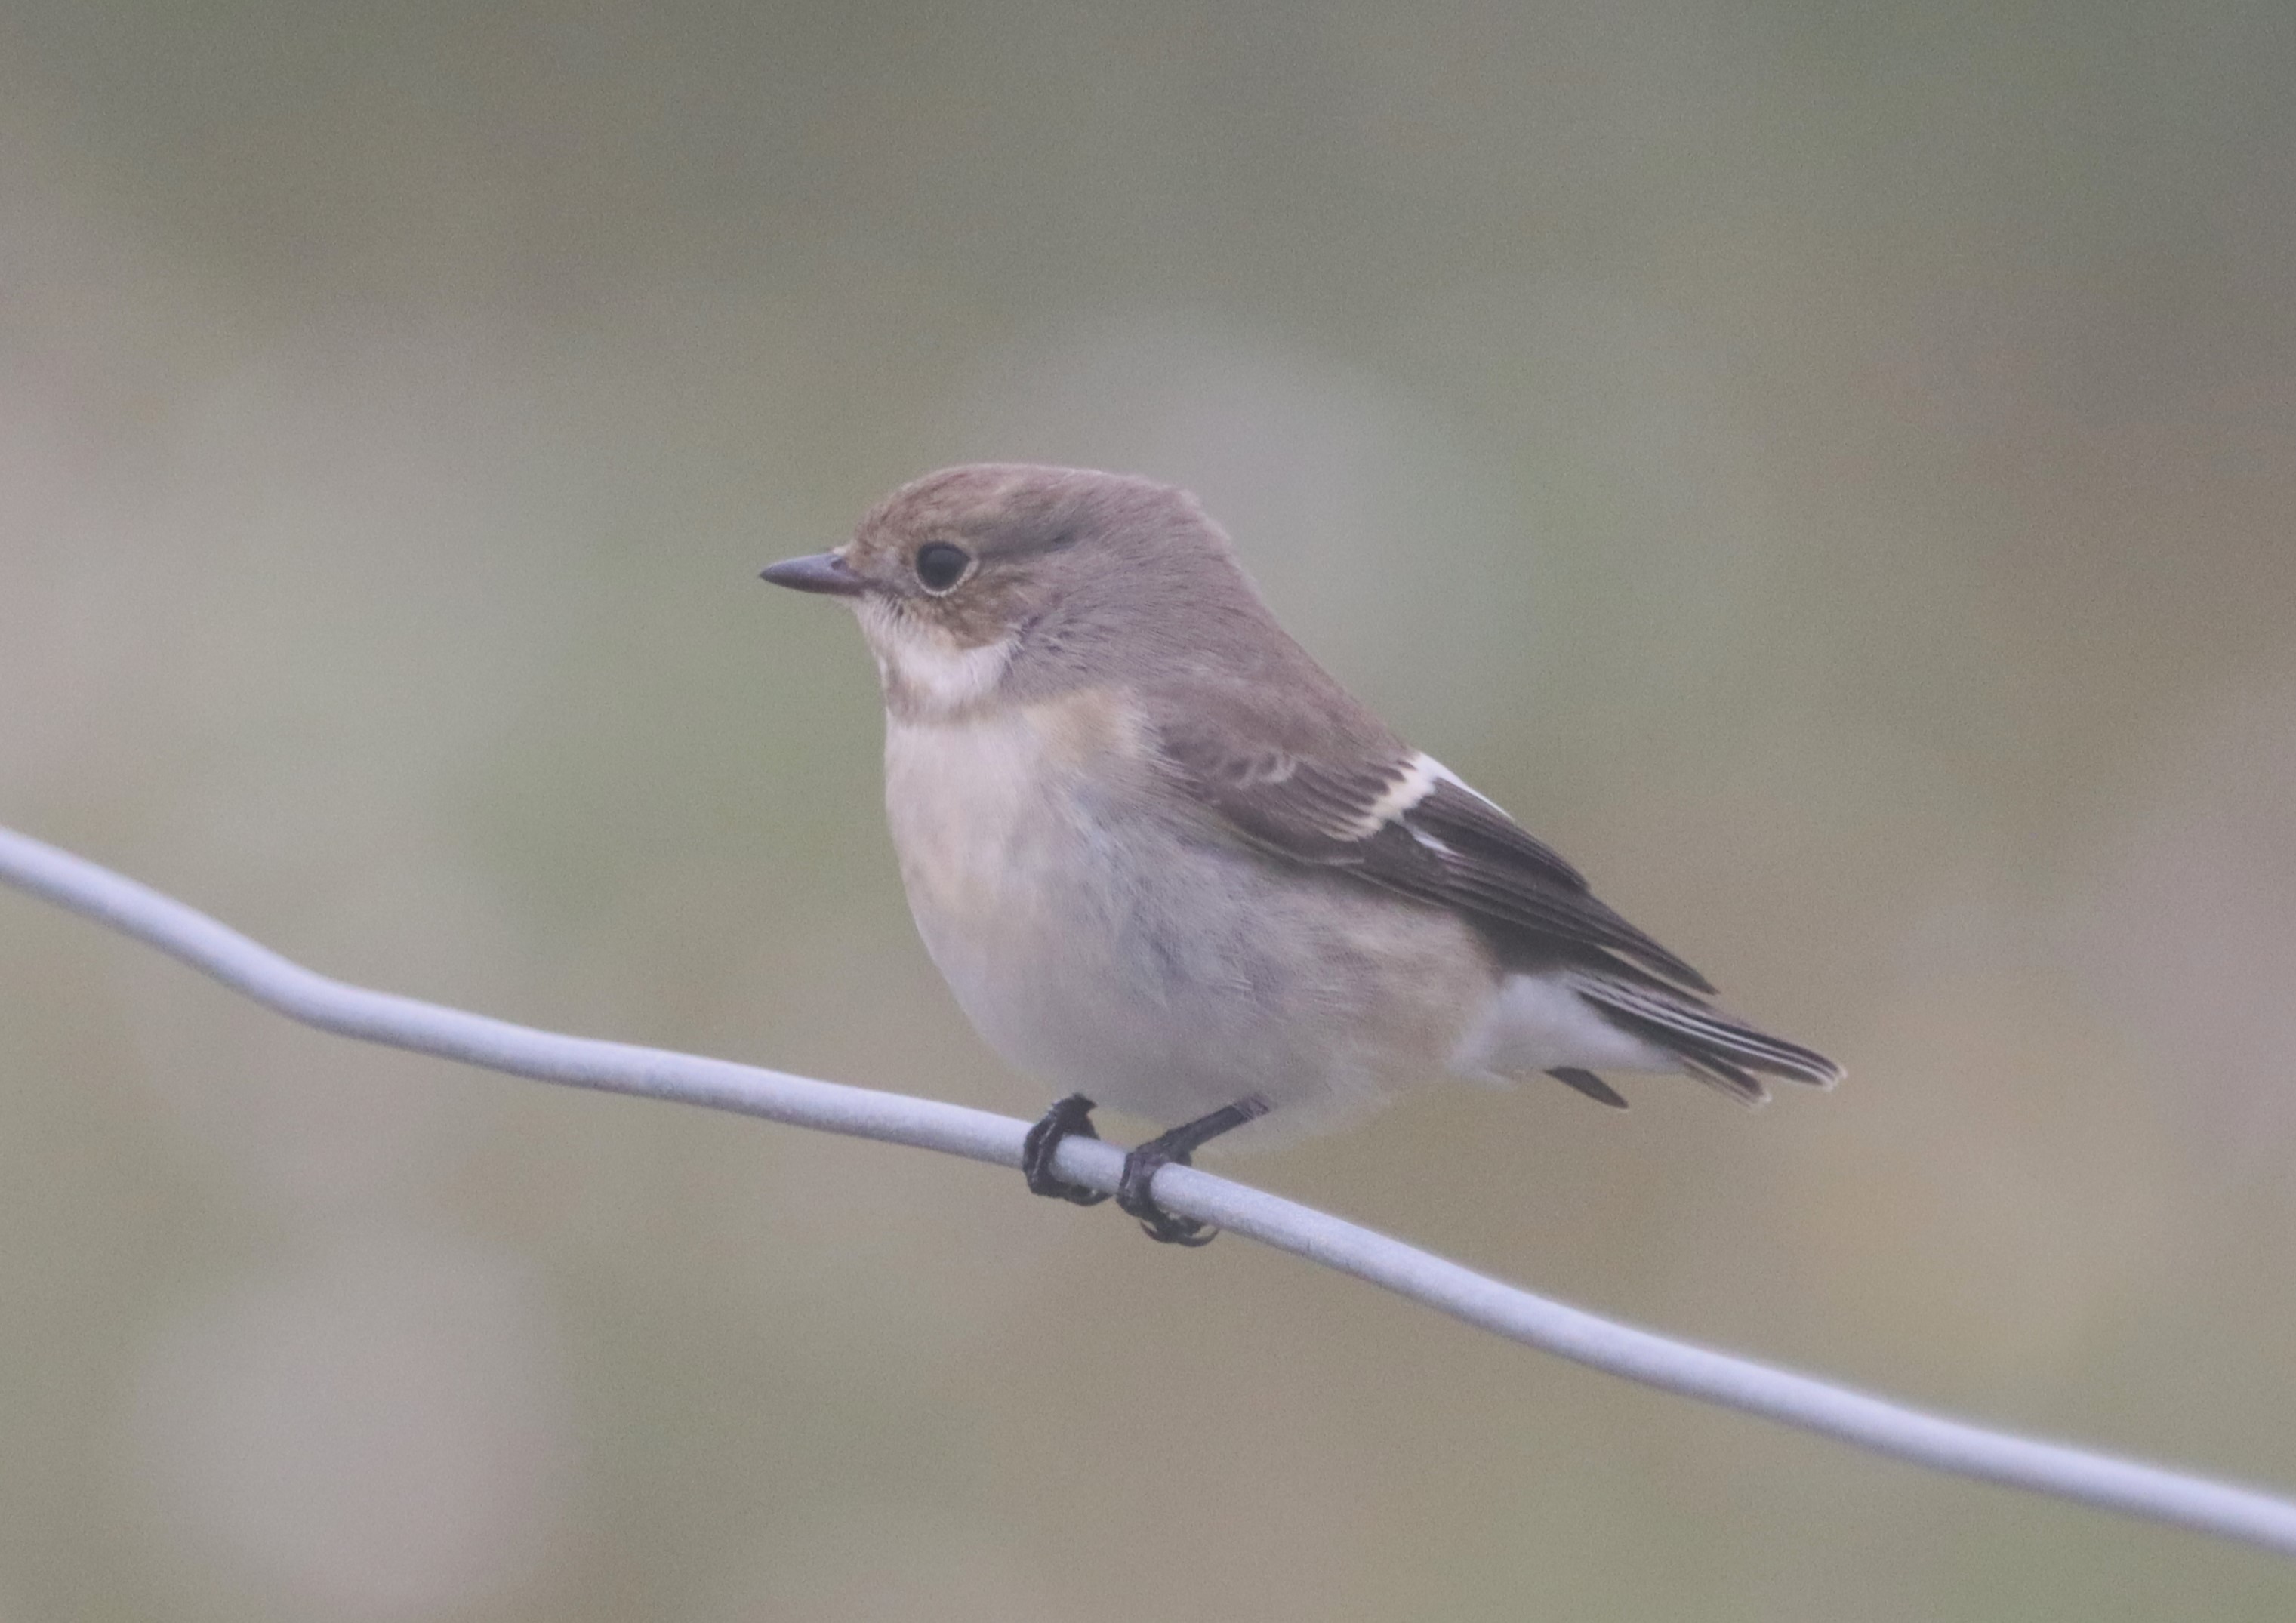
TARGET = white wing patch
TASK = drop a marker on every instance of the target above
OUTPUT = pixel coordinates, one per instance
(1417, 782)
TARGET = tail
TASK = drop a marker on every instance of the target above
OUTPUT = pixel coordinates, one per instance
(1727, 1053)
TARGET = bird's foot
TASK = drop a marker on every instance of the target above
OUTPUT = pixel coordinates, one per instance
(1070, 1118)
(1140, 1169)
(1173, 1149)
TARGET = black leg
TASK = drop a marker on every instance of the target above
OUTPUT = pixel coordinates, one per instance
(1070, 1118)
(1173, 1149)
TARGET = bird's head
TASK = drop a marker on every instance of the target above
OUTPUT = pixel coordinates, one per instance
(976, 581)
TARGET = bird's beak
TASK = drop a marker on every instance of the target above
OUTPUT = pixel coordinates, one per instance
(815, 572)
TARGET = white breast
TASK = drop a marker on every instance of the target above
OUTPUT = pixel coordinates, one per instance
(991, 817)
(968, 801)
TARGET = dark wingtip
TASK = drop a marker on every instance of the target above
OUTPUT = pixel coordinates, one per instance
(1629, 942)
(1652, 954)
(1689, 977)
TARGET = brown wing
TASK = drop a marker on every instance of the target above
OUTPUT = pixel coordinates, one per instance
(1396, 818)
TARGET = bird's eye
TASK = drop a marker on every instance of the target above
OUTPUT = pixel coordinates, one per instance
(941, 564)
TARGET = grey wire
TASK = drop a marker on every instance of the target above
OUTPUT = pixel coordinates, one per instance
(2147, 1491)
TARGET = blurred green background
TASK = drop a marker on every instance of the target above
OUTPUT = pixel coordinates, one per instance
(1831, 470)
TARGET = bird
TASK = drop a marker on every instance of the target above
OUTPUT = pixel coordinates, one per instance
(1166, 861)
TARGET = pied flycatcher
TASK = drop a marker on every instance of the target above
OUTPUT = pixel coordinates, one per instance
(1157, 852)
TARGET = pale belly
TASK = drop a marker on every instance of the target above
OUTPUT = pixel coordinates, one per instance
(1160, 973)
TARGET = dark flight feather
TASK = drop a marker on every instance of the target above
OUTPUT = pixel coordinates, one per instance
(1448, 846)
